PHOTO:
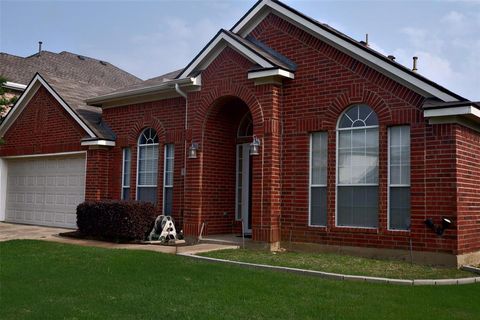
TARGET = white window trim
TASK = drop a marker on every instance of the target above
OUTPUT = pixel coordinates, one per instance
(123, 172)
(165, 173)
(395, 185)
(310, 185)
(138, 162)
(337, 131)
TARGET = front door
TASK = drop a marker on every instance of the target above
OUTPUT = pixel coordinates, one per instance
(243, 190)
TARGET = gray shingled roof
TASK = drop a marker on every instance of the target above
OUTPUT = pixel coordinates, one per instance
(65, 65)
(73, 77)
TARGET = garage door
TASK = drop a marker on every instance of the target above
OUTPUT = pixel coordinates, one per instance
(45, 190)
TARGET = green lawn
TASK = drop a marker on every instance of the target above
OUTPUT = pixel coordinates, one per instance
(42, 280)
(344, 264)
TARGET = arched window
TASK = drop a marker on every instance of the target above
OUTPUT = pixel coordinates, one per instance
(147, 166)
(357, 168)
(245, 129)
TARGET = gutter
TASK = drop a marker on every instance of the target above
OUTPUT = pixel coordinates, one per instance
(163, 87)
(14, 86)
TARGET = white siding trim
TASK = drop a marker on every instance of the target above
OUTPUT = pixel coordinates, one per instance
(215, 48)
(452, 111)
(270, 73)
(250, 21)
(3, 188)
(25, 98)
(106, 143)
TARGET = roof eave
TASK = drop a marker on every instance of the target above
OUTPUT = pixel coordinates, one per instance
(164, 87)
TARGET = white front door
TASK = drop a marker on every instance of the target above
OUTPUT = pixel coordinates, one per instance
(243, 206)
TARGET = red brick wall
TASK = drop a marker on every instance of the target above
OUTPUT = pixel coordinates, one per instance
(327, 81)
(43, 127)
(128, 122)
(468, 188)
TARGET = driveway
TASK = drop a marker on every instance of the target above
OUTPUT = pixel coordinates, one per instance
(11, 231)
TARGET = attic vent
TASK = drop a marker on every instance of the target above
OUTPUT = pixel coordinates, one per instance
(81, 57)
(391, 57)
(103, 63)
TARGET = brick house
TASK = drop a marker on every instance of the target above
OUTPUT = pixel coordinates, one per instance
(283, 128)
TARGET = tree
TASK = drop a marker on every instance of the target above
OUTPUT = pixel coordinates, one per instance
(5, 101)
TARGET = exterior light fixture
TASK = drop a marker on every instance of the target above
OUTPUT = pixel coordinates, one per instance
(439, 229)
(192, 151)
(255, 146)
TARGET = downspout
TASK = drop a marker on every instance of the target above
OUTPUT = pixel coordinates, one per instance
(184, 95)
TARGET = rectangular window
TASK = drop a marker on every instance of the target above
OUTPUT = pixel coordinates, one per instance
(127, 159)
(168, 179)
(318, 179)
(357, 178)
(399, 178)
(147, 169)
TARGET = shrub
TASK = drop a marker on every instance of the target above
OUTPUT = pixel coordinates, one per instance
(116, 220)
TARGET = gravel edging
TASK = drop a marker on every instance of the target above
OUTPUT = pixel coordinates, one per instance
(337, 276)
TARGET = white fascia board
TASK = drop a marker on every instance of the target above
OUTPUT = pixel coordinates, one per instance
(14, 86)
(25, 98)
(3, 188)
(271, 73)
(252, 20)
(452, 111)
(214, 49)
(105, 143)
(169, 85)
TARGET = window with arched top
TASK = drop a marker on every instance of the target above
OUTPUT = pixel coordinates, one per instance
(147, 166)
(357, 168)
(245, 129)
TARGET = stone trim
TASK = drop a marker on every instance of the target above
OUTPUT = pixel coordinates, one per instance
(338, 276)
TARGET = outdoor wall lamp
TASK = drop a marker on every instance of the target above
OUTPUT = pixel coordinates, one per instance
(439, 229)
(255, 146)
(192, 151)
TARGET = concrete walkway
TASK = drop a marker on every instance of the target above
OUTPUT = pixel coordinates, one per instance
(10, 231)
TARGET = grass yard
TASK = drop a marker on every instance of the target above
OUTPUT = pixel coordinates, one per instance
(42, 280)
(344, 264)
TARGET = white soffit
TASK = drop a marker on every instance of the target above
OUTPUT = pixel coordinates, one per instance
(262, 9)
(469, 111)
(27, 95)
(105, 143)
(271, 73)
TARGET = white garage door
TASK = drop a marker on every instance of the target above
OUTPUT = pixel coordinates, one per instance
(45, 190)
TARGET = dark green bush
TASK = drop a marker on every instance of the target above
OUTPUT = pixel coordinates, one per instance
(116, 220)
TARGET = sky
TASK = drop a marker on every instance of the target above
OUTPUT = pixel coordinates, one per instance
(149, 38)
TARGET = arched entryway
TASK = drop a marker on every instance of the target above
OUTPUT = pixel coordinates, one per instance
(227, 167)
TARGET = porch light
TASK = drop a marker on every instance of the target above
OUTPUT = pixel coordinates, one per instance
(192, 151)
(255, 146)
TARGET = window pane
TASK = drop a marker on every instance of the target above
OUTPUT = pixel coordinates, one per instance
(147, 194)
(399, 155)
(125, 193)
(168, 201)
(319, 158)
(399, 208)
(358, 206)
(318, 210)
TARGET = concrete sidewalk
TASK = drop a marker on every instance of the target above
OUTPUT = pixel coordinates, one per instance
(10, 231)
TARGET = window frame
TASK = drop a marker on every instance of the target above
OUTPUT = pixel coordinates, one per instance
(389, 185)
(310, 185)
(138, 164)
(165, 186)
(124, 186)
(337, 174)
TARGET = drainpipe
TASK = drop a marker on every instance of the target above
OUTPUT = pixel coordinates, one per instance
(184, 95)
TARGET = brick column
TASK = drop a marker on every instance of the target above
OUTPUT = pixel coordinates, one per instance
(98, 159)
(267, 171)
